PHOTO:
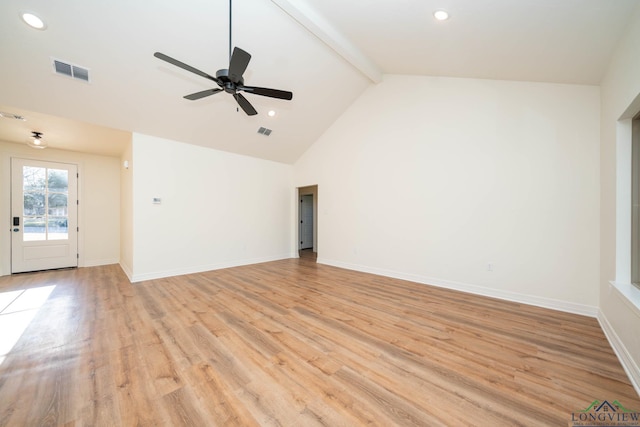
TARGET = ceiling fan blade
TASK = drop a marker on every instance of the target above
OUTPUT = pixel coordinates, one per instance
(184, 66)
(238, 64)
(198, 95)
(264, 91)
(244, 104)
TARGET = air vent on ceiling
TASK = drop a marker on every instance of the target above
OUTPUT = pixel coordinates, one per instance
(11, 116)
(70, 70)
(264, 131)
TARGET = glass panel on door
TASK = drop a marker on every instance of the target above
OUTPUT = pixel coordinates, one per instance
(45, 214)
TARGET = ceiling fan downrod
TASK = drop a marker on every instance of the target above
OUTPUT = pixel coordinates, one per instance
(230, 26)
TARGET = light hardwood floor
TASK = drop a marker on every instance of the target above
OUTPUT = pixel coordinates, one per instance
(293, 343)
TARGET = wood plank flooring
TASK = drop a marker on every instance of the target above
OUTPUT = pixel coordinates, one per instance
(293, 343)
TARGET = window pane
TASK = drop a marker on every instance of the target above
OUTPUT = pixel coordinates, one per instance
(58, 181)
(33, 178)
(57, 204)
(34, 228)
(34, 203)
(58, 228)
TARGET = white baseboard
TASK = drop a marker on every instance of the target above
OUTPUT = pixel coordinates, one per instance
(625, 358)
(629, 365)
(125, 268)
(208, 267)
(99, 262)
(566, 306)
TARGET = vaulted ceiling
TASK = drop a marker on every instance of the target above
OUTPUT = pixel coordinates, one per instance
(327, 52)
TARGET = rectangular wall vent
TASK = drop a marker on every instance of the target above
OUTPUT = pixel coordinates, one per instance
(264, 131)
(70, 70)
(11, 116)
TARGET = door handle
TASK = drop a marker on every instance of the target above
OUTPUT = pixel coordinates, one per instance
(15, 230)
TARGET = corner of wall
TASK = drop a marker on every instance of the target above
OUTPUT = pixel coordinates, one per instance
(127, 271)
(126, 210)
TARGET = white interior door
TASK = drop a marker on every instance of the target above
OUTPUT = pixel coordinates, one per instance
(44, 215)
(306, 222)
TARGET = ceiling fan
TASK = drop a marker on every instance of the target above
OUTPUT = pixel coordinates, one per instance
(229, 80)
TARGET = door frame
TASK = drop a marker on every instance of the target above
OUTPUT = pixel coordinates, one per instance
(302, 225)
(45, 162)
(306, 191)
(8, 152)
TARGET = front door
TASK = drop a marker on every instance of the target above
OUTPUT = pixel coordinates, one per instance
(44, 215)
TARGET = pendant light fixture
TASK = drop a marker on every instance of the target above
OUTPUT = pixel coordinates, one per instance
(36, 141)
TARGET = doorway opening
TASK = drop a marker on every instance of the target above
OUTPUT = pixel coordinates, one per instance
(308, 222)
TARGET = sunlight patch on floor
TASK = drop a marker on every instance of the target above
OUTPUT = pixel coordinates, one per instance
(17, 310)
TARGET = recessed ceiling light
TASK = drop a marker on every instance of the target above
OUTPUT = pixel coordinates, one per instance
(441, 15)
(271, 113)
(33, 21)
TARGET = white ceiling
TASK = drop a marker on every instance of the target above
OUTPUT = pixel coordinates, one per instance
(327, 52)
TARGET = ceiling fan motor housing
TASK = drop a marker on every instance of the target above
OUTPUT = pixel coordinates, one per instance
(227, 84)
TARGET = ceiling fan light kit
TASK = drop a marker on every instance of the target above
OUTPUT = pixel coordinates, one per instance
(229, 80)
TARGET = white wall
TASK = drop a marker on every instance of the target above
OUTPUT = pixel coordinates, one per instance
(619, 303)
(431, 179)
(98, 213)
(218, 209)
